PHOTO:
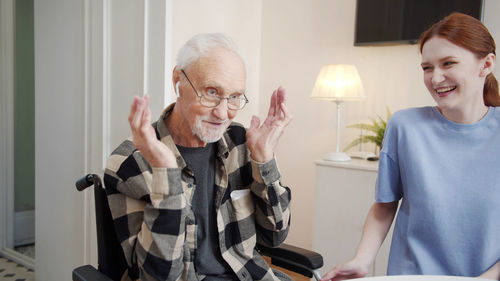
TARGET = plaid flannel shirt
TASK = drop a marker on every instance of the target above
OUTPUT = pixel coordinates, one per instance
(156, 226)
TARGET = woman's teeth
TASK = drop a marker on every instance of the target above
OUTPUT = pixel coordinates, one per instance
(446, 89)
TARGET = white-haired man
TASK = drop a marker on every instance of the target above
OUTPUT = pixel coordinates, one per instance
(191, 194)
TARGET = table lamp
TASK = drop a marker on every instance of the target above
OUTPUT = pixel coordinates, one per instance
(338, 83)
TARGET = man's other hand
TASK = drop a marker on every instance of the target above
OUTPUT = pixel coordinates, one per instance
(263, 139)
(144, 136)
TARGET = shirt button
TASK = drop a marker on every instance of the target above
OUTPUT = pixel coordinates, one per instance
(190, 185)
(265, 173)
(244, 274)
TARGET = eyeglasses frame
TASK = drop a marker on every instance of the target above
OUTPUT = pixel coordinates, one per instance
(219, 97)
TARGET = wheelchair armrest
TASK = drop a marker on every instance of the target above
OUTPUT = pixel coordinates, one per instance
(88, 273)
(293, 258)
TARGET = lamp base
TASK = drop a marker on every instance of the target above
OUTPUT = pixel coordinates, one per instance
(337, 157)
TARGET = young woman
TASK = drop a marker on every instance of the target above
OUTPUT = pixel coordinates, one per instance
(443, 163)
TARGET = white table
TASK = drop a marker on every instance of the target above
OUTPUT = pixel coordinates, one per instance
(420, 278)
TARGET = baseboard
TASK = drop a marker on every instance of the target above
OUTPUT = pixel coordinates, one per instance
(24, 228)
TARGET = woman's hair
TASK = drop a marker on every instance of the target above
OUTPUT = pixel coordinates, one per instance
(201, 44)
(471, 34)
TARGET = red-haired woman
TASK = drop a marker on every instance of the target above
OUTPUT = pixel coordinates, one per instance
(443, 163)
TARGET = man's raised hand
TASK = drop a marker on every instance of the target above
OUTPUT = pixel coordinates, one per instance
(263, 139)
(144, 136)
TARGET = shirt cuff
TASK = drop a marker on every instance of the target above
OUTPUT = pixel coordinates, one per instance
(266, 173)
(167, 181)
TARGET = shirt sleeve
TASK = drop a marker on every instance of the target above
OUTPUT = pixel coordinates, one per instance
(149, 213)
(388, 187)
(272, 201)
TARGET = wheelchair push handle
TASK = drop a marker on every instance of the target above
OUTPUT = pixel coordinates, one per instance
(88, 180)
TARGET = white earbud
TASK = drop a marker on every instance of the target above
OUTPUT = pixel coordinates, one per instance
(177, 88)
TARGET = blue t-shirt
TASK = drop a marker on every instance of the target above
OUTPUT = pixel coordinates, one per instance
(448, 177)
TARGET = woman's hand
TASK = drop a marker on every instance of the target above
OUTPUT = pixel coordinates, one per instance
(349, 270)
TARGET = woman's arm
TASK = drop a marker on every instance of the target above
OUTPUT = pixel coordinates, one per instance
(377, 224)
(492, 273)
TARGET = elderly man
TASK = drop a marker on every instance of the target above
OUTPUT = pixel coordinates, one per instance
(192, 193)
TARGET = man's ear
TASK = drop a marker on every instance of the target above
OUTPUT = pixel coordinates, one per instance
(176, 77)
(488, 65)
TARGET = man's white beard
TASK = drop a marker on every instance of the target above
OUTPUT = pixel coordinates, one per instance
(207, 134)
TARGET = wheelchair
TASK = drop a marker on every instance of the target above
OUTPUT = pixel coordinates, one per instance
(112, 263)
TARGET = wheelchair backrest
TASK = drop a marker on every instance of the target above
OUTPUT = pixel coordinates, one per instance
(111, 259)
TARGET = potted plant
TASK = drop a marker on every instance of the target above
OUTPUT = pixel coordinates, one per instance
(377, 127)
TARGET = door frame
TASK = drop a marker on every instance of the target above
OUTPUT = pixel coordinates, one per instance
(7, 14)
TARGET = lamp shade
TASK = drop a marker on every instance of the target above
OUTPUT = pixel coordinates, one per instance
(338, 82)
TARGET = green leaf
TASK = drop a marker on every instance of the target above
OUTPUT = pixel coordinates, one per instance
(377, 127)
(375, 139)
(366, 127)
(354, 143)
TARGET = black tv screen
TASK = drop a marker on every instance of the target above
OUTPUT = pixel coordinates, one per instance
(402, 21)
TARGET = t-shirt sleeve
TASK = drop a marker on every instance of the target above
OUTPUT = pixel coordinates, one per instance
(388, 187)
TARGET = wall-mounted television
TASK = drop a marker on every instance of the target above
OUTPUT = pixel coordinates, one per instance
(402, 21)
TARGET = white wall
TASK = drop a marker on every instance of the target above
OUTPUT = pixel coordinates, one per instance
(59, 138)
(492, 22)
(134, 60)
(298, 37)
(126, 64)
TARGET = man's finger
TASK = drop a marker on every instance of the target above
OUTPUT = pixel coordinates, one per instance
(146, 120)
(137, 115)
(146, 116)
(285, 113)
(272, 105)
(275, 102)
(133, 108)
(281, 95)
(254, 123)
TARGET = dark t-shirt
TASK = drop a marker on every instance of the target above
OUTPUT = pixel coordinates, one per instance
(208, 259)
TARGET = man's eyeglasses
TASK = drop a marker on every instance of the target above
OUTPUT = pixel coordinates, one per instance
(210, 98)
